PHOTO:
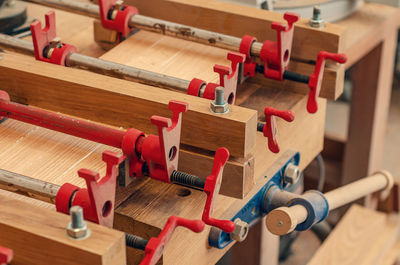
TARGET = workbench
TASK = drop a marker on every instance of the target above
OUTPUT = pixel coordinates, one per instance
(145, 205)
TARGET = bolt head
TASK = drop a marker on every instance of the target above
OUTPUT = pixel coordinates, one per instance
(78, 233)
(241, 230)
(292, 174)
(219, 108)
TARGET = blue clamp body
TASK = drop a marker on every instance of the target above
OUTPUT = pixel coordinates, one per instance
(317, 208)
(254, 210)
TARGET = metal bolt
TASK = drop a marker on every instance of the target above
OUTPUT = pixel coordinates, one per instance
(316, 21)
(292, 174)
(77, 228)
(241, 230)
(219, 105)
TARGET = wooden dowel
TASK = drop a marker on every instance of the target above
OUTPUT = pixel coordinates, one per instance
(283, 220)
(102, 66)
(20, 183)
(156, 25)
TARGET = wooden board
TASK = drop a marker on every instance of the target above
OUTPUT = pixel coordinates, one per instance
(38, 236)
(363, 236)
(187, 60)
(238, 20)
(123, 103)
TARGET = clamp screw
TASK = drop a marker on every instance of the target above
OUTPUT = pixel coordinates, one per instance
(77, 228)
(292, 174)
(241, 230)
(219, 105)
(316, 21)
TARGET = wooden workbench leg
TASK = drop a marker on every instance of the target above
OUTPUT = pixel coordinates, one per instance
(372, 80)
(260, 247)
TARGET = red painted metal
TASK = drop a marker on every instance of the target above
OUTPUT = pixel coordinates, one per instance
(121, 21)
(6, 255)
(43, 37)
(159, 152)
(270, 129)
(275, 55)
(156, 245)
(98, 200)
(315, 80)
(228, 79)
(212, 187)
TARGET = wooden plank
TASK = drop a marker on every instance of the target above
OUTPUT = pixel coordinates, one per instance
(187, 60)
(363, 236)
(238, 20)
(393, 257)
(38, 236)
(122, 103)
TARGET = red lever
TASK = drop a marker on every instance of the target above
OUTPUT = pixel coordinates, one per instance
(116, 17)
(156, 245)
(270, 129)
(228, 79)
(6, 255)
(315, 80)
(211, 188)
(98, 199)
(44, 42)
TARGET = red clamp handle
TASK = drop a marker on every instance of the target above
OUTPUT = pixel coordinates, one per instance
(270, 129)
(161, 151)
(43, 38)
(228, 79)
(116, 17)
(275, 55)
(211, 188)
(6, 255)
(98, 199)
(156, 245)
(315, 80)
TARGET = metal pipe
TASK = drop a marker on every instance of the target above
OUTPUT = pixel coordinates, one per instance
(156, 25)
(102, 66)
(57, 122)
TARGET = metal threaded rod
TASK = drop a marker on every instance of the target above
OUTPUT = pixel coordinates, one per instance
(135, 241)
(156, 25)
(102, 66)
(260, 126)
(287, 75)
(186, 179)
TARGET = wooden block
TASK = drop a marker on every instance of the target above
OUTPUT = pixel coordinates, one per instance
(38, 236)
(363, 236)
(393, 257)
(122, 103)
(238, 20)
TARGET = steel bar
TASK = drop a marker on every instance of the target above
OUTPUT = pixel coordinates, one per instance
(156, 25)
(102, 66)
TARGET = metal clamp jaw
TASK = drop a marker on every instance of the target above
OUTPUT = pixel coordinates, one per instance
(6, 255)
(114, 15)
(212, 187)
(46, 46)
(228, 79)
(156, 245)
(270, 128)
(98, 199)
(315, 80)
(160, 152)
(274, 55)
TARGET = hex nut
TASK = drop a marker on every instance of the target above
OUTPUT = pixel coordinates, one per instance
(241, 230)
(292, 174)
(316, 23)
(78, 233)
(219, 108)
